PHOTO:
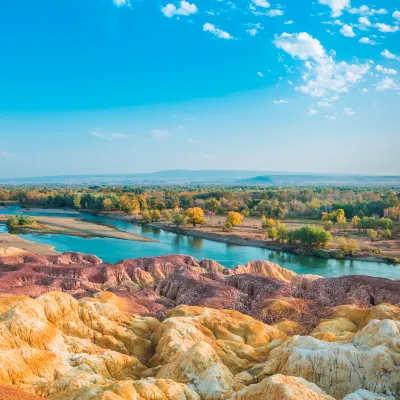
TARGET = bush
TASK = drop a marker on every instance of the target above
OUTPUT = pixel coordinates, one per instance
(20, 220)
(321, 253)
(392, 260)
(372, 234)
(386, 234)
(310, 237)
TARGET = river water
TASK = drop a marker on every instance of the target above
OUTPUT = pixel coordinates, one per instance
(113, 250)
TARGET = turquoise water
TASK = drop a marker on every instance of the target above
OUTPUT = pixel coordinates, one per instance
(113, 250)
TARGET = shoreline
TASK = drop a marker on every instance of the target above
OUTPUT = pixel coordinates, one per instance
(222, 238)
(7, 241)
(73, 226)
(238, 241)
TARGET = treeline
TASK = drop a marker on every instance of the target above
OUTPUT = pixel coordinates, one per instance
(274, 203)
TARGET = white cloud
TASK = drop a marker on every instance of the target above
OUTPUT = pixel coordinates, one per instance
(6, 154)
(290, 22)
(275, 13)
(396, 15)
(347, 30)
(159, 133)
(301, 45)
(387, 84)
(260, 74)
(364, 90)
(216, 31)
(386, 71)
(364, 21)
(184, 9)
(254, 29)
(365, 10)
(120, 3)
(322, 76)
(323, 104)
(107, 136)
(337, 6)
(349, 112)
(311, 111)
(386, 28)
(330, 117)
(192, 141)
(201, 154)
(280, 101)
(386, 53)
(262, 3)
(367, 40)
(290, 83)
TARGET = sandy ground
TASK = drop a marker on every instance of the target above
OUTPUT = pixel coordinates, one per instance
(7, 240)
(52, 210)
(76, 227)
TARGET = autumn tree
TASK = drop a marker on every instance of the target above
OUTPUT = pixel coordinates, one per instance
(195, 215)
(233, 219)
(155, 215)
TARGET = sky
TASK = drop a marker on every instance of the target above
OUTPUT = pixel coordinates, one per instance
(130, 86)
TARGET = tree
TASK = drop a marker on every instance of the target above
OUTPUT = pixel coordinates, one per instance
(386, 234)
(272, 233)
(267, 223)
(372, 234)
(328, 225)
(167, 216)
(195, 215)
(348, 246)
(107, 205)
(212, 205)
(178, 219)
(310, 237)
(233, 219)
(282, 233)
(354, 222)
(155, 215)
(146, 218)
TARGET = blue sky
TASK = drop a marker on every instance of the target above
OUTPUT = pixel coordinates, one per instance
(118, 86)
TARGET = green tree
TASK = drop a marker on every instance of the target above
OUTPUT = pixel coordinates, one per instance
(282, 233)
(372, 234)
(212, 205)
(178, 219)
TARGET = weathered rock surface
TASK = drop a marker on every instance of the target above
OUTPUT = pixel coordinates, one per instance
(218, 334)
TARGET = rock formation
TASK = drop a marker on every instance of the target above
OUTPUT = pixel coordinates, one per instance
(72, 327)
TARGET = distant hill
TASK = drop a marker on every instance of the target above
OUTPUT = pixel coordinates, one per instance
(210, 177)
(321, 179)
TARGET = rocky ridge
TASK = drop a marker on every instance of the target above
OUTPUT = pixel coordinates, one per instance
(72, 327)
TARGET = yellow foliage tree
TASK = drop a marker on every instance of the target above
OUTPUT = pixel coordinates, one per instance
(233, 219)
(195, 215)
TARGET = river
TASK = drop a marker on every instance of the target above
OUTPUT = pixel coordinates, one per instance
(113, 250)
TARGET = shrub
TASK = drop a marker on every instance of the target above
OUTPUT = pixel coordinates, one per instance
(372, 234)
(321, 253)
(20, 220)
(386, 234)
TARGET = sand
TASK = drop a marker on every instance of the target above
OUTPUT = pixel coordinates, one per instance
(7, 240)
(77, 227)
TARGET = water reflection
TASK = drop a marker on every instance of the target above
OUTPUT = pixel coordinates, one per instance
(113, 250)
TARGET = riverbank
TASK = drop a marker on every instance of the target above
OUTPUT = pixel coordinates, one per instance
(8, 241)
(76, 227)
(239, 241)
